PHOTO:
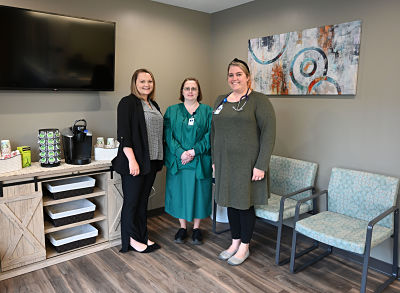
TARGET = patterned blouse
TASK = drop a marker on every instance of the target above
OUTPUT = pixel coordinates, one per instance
(154, 125)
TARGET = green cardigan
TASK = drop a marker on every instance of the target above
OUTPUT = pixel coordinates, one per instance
(179, 137)
(241, 141)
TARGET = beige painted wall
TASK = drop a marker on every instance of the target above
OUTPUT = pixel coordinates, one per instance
(172, 42)
(358, 132)
(361, 131)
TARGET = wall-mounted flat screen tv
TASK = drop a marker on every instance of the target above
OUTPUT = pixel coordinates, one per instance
(45, 51)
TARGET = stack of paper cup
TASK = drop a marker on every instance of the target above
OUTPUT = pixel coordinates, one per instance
(100, 142)
(110, 143)
(5, 147)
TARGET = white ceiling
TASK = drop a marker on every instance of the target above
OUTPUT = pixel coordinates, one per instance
(209, 6)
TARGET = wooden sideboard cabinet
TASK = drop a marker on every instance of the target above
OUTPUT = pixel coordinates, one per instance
(23, 226)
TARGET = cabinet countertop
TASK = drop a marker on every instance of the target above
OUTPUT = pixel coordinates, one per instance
(37, 170)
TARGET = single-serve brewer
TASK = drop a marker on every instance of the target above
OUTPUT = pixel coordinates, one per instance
(77, 142)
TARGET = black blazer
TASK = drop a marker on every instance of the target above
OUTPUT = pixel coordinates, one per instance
(132, 132)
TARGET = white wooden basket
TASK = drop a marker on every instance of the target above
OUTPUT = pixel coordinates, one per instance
(101, 154)
(11, 164)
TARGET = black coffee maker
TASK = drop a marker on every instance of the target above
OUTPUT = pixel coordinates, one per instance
(77, 142)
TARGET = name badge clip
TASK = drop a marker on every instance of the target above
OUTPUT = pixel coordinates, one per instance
(191, 121)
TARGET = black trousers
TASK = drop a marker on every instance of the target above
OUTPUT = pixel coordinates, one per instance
(242, 223)
(136, 191)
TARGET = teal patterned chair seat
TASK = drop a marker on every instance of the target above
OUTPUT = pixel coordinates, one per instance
(289, 181)
(341, 231)
(361, 213)
(270, 211)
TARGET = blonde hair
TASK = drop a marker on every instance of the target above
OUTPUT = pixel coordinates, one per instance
(244, 67)
(134, 89)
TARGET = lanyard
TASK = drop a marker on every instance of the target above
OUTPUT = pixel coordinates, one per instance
(237, 108)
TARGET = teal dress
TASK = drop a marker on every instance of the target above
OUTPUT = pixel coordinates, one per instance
(188, 187)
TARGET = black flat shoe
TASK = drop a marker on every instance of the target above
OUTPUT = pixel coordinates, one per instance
(180, 236)
(197, 237)
(149, 248)
(154, 246)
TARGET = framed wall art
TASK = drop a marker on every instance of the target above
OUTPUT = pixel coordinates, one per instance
(317, 61)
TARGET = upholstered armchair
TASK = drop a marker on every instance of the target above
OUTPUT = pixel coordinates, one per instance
(361, 213)
(290, 180)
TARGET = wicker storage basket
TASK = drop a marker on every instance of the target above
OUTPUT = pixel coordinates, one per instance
(11, 164)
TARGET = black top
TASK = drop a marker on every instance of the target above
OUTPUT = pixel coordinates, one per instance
(132, 132)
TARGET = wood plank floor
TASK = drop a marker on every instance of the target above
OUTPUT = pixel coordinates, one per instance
(190, 268)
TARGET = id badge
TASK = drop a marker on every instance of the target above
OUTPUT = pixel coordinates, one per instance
(191, 121)
(216, 112)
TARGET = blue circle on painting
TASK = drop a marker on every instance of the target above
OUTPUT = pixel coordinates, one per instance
(271, 60)
(308, 62)
(308, 67)
(318, 81)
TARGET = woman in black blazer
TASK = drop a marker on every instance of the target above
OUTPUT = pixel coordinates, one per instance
(140, 157)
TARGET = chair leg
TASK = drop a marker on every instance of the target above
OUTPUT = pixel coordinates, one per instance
(315, 259)
(278, 260)
(214, 221)
(395, 270)
(295, 255)
(278, 246)
(365, 268)
(395, 264)
(395, 267)
(364, 277)
(293, 252)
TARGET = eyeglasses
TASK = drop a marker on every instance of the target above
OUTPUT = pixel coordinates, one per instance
(193, 89)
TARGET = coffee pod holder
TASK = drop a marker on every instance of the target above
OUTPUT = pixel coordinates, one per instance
(49, 147)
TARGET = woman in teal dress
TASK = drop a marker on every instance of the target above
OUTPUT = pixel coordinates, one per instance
(187, 127)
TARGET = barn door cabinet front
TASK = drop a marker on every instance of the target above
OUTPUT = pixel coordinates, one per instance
(22, 239)
(115, 200)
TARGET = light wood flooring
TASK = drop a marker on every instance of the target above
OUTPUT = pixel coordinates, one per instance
(190, 268)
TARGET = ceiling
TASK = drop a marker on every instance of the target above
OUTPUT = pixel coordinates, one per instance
(208, 6)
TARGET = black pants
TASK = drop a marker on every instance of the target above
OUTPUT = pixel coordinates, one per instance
(136, 191)
(242, 223)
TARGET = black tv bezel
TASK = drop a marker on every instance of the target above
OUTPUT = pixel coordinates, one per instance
(67, 89)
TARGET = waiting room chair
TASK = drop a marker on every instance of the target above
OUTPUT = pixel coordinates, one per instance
(361, 213)
(290, 180)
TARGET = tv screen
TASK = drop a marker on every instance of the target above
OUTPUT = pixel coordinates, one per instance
(42, 51)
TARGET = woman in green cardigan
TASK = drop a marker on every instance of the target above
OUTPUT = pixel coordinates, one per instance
(243, 136)
(187, 127)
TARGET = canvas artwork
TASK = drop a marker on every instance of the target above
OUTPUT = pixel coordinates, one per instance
(317, 61)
